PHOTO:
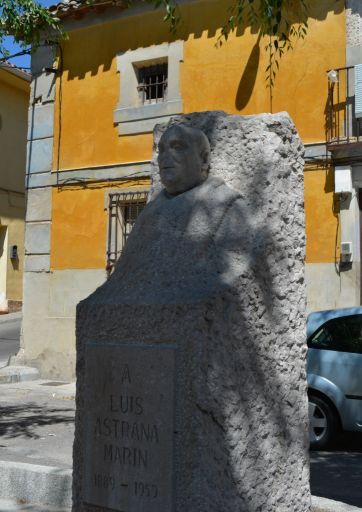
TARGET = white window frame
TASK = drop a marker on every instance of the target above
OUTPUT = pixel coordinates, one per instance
(130, 114)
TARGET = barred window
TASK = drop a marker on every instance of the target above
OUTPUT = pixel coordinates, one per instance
(149, 87)
(123, 208)
(152, 83)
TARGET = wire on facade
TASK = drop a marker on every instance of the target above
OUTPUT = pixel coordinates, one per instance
(84, 182)
(336, 214)
(8, 191)
(60, 107)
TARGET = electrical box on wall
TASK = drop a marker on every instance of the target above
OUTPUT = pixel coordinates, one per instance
(346, 252)
(343, 179)
(14, 252)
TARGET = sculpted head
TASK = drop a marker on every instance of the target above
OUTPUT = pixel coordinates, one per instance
(183, 158)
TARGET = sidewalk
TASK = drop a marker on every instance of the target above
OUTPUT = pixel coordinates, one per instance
(36, 440)
(13, 506)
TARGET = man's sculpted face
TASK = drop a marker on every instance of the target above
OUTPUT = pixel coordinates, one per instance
(183, 158)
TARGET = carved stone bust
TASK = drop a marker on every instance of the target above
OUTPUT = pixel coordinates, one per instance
(183, 159)
(206, 307)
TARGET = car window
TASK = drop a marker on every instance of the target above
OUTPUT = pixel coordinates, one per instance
(354, 326)
(332, 335)
(343, 334)
(321, 339)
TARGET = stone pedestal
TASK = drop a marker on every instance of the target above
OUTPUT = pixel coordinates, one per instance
(191, 385)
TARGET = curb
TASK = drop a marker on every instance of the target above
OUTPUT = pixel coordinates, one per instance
(31, 483)
(10, 317)
(16, 506)
(326, 505)
(12, 374)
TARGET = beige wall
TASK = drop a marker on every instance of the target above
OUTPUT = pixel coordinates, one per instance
(50, 300)
(14, 99)
(12, 214)
(328, 287)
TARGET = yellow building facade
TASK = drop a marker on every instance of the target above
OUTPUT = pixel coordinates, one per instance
(90, 147)
(14, 102)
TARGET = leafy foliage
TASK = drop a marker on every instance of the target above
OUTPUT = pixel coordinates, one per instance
(273, 19)
(172, 15)
(25, 20)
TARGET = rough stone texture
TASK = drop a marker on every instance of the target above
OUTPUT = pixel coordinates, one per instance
(32, 483)
(218, 273)
(354, 23)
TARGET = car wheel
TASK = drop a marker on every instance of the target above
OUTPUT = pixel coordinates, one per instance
(322, 423)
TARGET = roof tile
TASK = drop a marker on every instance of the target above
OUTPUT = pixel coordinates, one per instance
(69, 7)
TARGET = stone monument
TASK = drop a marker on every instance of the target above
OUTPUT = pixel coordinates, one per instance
(191, 384)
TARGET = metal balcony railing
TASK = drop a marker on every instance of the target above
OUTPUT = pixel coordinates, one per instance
(342, 126)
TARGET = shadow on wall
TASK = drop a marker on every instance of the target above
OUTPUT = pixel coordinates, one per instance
(247, 81)
(3, 231)
(15, 263)
(107, 43)
(329, 183)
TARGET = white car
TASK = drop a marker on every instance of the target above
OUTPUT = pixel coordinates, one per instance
(334, 369)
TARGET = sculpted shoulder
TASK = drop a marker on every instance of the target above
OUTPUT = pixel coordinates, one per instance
(190, 195)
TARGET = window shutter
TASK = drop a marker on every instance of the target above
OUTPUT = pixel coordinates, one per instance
(358, 89)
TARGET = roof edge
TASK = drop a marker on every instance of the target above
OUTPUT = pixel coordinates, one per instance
(77, 8)
(20, 73)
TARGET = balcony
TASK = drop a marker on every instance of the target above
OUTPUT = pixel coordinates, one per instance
(343, 125)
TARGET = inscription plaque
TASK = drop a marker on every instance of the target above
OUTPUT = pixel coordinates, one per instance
(129, 416)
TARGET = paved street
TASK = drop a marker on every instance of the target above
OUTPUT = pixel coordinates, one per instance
(36, 438)
(9, 340)
(337, 473)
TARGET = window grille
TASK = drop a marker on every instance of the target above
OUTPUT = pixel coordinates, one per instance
(152, 83)
(124, 208)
